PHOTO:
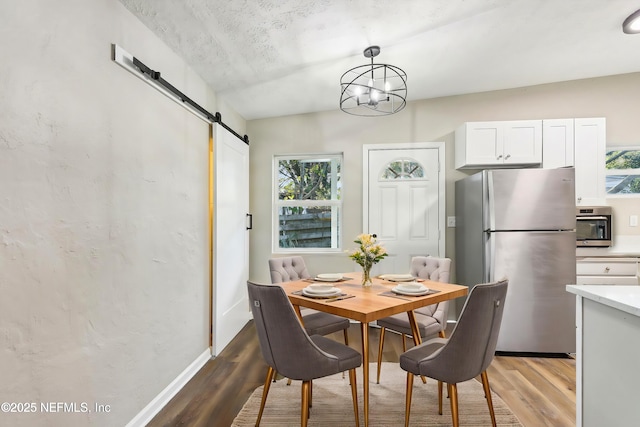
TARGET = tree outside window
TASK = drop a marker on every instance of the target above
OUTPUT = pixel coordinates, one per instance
(623, 171)
(307, 203)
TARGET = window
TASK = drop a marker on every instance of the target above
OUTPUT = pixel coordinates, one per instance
(403, 169)
(307, 203)
(623, 171)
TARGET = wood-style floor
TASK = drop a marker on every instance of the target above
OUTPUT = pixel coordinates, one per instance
(539, 390)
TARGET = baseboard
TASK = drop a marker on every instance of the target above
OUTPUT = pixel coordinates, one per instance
(152, 409)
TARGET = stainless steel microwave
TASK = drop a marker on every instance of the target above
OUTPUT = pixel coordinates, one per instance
(593, 226)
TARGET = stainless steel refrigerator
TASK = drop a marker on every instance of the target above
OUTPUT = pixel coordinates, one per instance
(520, 224)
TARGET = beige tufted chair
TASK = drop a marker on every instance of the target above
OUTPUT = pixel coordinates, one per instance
(431, 319)
(286, 269)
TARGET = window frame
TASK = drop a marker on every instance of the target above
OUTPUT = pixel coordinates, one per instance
(610, 172)
(337, 214)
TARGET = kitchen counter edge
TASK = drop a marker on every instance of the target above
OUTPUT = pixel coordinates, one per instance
(624, 298)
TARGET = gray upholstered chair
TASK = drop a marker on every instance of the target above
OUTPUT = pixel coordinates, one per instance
(286, 269)
(288, 349)
(467, 353)
(432, 319)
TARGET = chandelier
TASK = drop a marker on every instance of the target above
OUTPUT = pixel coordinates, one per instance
(373, 89)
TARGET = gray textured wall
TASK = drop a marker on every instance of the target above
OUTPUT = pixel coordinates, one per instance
(103, 214)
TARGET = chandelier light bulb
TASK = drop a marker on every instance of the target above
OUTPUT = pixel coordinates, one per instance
(387, 86)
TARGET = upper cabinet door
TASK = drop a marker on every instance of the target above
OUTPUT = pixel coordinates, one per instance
(522, 142)
(590, 146)
(557, 143)
(484, 143)
(480, 145)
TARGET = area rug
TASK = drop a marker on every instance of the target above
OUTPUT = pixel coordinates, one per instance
(332, 404)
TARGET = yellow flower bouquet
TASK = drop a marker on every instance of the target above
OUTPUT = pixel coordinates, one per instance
(370, 252)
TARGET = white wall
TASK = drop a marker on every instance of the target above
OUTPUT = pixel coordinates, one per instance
(615, 98)
(103, 214)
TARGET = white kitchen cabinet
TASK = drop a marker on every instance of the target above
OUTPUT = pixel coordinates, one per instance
(580, 143)
(557, 143)
(481, 145)
(590, 149)
(607, 271)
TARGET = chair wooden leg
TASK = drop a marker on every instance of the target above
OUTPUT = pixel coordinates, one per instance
(380, 347)
(310, 394)
(304, 411)
(346, 336)
(453, 392)
(404, 344)
(265, 391)
(441, 334)
(407, 405)
(487, 393)
(440, 397)
(354, 395)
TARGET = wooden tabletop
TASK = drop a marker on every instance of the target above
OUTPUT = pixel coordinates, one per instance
(368, 304)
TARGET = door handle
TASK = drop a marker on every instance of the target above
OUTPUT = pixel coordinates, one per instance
(250, 218)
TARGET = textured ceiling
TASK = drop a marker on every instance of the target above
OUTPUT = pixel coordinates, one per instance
(270, 58)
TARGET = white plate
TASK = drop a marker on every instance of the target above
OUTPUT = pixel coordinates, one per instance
(320, 288)
(411, 287)
(336, 292)
(399, 277)
(403, 292)
(328, 277)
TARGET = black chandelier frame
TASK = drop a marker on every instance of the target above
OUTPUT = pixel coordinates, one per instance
(360, 99)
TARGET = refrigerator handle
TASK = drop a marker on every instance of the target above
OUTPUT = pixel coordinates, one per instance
(489, 259)
(489, 213)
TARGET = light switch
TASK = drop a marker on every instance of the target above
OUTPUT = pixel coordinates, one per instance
(633, 220)
(451, 221)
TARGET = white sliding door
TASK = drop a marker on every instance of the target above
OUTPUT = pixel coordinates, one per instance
(231, 236)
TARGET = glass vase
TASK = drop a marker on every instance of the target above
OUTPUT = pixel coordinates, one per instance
(366, 276)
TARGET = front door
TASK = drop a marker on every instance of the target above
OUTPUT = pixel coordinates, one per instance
(404, 201)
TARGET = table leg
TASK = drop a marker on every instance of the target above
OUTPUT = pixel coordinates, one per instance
(365, 370)
(417, 339)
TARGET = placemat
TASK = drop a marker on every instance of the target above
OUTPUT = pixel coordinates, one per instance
(393, 294)
(341, 294)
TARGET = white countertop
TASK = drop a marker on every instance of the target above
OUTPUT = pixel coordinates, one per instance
(624, 298)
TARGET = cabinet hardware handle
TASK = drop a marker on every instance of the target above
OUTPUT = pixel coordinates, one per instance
(607, 269)
(499, 157)
(507, 156)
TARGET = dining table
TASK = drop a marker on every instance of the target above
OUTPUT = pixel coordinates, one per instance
(366, 304)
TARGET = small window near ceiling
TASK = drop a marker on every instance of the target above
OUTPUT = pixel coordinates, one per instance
(402, 169)
(623, 171)
(307, 203)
